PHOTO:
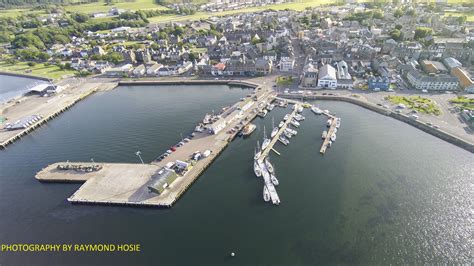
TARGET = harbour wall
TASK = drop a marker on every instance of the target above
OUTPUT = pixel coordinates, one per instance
(21, 75)
(401, 117)
(189, 82)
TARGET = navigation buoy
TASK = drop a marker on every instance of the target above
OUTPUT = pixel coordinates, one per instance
(232, 254)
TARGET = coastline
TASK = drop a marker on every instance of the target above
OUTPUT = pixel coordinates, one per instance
(24, 75)
(455, 140)
(462, 143)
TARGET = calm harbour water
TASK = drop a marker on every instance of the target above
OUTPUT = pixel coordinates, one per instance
(384, 193)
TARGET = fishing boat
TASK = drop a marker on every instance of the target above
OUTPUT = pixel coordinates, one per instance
(325, 134)
(207, 119)
(266, 194)
(199, 128)
(283, 140)
(275, 129)
(329, 122)
(248, 129)
(274, 180)
(256, 169)
(287, 116)
(281, 124)
(333, 137)
(263, 113)
(266, 141)
(316, 110)
(269, 166)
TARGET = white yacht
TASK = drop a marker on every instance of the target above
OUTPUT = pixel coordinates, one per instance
(275, 129)
(291, 131)
(325, 134)
(266, 194)
(266, 141)
(269, 166)
(338, 122)
(295, 123)
(270, 107)
(300, 109)
(299, 117)
(281, 124)
(283, 140)
(258, 153)
(256, 169)
(329, 143)
(333, 137)
(329, 122)
(286, 117)
(287, 134)
(274, 180)
(316, 110)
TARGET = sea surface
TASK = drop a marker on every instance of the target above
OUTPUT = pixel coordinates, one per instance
(384, 193)
(12, 86)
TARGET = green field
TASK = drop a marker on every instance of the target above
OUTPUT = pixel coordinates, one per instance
(102, 7)
(51, 71)
(469, 15)
(417, 103)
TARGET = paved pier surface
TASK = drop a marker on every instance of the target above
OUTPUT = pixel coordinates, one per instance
(126, 184)
(325, 144)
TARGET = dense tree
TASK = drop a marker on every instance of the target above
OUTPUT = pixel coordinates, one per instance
(396, 34)
(398, 13)
(422, 32)
(80, 17)
(28, 40)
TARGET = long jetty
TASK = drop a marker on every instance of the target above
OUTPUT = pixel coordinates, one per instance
(267, 150)
(332, 127)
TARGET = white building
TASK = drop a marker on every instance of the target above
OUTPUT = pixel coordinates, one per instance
(327, 77)
(287, 64)
(432, 82)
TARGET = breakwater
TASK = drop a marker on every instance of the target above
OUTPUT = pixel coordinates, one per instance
(401, 117)
(25, 75)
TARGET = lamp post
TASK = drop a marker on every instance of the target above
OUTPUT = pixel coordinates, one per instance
(138, 154)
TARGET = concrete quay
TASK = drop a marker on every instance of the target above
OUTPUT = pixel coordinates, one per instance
(126, 184)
